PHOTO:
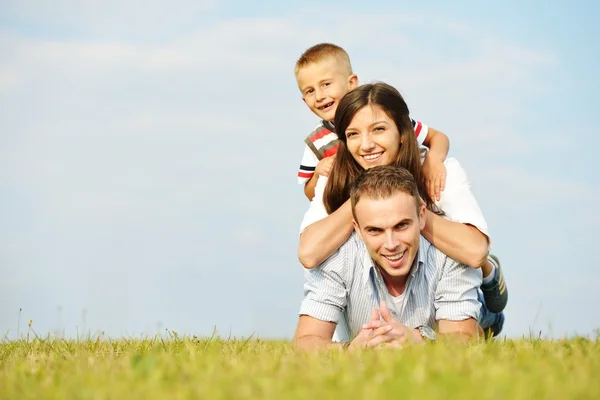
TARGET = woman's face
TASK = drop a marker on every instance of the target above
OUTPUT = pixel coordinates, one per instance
(372, 137)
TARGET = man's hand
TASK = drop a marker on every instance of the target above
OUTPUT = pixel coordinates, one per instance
(434, 172)
(396, 334)
(374, 329)
(324, 166)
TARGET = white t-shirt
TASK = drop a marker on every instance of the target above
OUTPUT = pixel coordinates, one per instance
(456, 200)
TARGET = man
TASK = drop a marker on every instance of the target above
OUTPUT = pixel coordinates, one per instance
(387, 263)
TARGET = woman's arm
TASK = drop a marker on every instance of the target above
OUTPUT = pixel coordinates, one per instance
(464, 235)
(461, 242)
(322, 238)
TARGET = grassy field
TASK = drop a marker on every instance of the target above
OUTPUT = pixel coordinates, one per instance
(211, 368)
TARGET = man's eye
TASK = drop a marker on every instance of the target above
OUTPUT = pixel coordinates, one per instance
(326, 84)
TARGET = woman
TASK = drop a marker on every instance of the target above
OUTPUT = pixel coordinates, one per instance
(374, 128)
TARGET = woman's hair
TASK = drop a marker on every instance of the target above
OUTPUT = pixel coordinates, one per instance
(345, 169)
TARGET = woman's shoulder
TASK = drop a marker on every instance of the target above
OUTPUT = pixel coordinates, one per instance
(455, 173)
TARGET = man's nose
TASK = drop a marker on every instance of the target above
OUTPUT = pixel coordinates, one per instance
(391, 242)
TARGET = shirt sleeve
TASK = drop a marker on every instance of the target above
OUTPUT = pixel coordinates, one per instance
(325, 289)
(421, 131)
(316, 211)
(307, 165)
(457, 200)
(456, 293)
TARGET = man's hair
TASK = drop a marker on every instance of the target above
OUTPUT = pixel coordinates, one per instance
(382, 182)
(322, 51)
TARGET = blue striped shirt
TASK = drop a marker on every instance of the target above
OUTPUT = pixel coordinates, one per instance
(346, 287)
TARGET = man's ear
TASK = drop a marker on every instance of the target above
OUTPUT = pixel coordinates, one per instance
(422, 214)
(356, 228)
(353, 81)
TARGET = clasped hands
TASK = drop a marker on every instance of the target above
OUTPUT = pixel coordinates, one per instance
(384, 331)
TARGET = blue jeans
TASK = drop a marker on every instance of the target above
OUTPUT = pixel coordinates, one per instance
(487, 319)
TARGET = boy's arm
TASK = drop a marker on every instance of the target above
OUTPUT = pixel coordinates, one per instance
(433, 167)
(323, 168)
(309, 186)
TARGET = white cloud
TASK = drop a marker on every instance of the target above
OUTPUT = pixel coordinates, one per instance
(109, 18)
(189, 145)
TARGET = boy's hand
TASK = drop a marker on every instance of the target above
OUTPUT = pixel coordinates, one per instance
(435, 176)
(324, 166)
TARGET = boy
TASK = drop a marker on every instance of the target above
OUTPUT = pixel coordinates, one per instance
(324, 75)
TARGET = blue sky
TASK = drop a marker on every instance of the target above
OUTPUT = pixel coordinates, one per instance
(148, 153)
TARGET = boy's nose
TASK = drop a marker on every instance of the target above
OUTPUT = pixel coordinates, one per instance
(320, 94)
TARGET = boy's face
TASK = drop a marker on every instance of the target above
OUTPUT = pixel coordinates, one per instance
(323, 84)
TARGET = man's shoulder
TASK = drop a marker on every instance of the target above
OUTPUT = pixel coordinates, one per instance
(435, 260)
(431, 256)
(350, 253)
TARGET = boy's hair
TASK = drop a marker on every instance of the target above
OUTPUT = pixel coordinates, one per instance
(321, 51)
(382, 182)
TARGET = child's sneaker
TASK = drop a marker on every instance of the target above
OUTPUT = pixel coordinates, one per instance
(495, 292)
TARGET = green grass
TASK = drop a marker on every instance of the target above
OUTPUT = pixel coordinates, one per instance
(212, 368)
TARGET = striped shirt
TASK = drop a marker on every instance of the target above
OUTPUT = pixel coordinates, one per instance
(323, 142)
(346, 287)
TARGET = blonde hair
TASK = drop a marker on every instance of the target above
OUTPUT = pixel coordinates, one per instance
(322, 51)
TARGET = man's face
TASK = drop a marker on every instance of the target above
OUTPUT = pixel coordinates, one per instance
(391, 230)
(323, 84)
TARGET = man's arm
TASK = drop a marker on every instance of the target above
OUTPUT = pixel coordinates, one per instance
(456, 303)
(433, 166)
(324, 298)
(314, 334)
(462, 331)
